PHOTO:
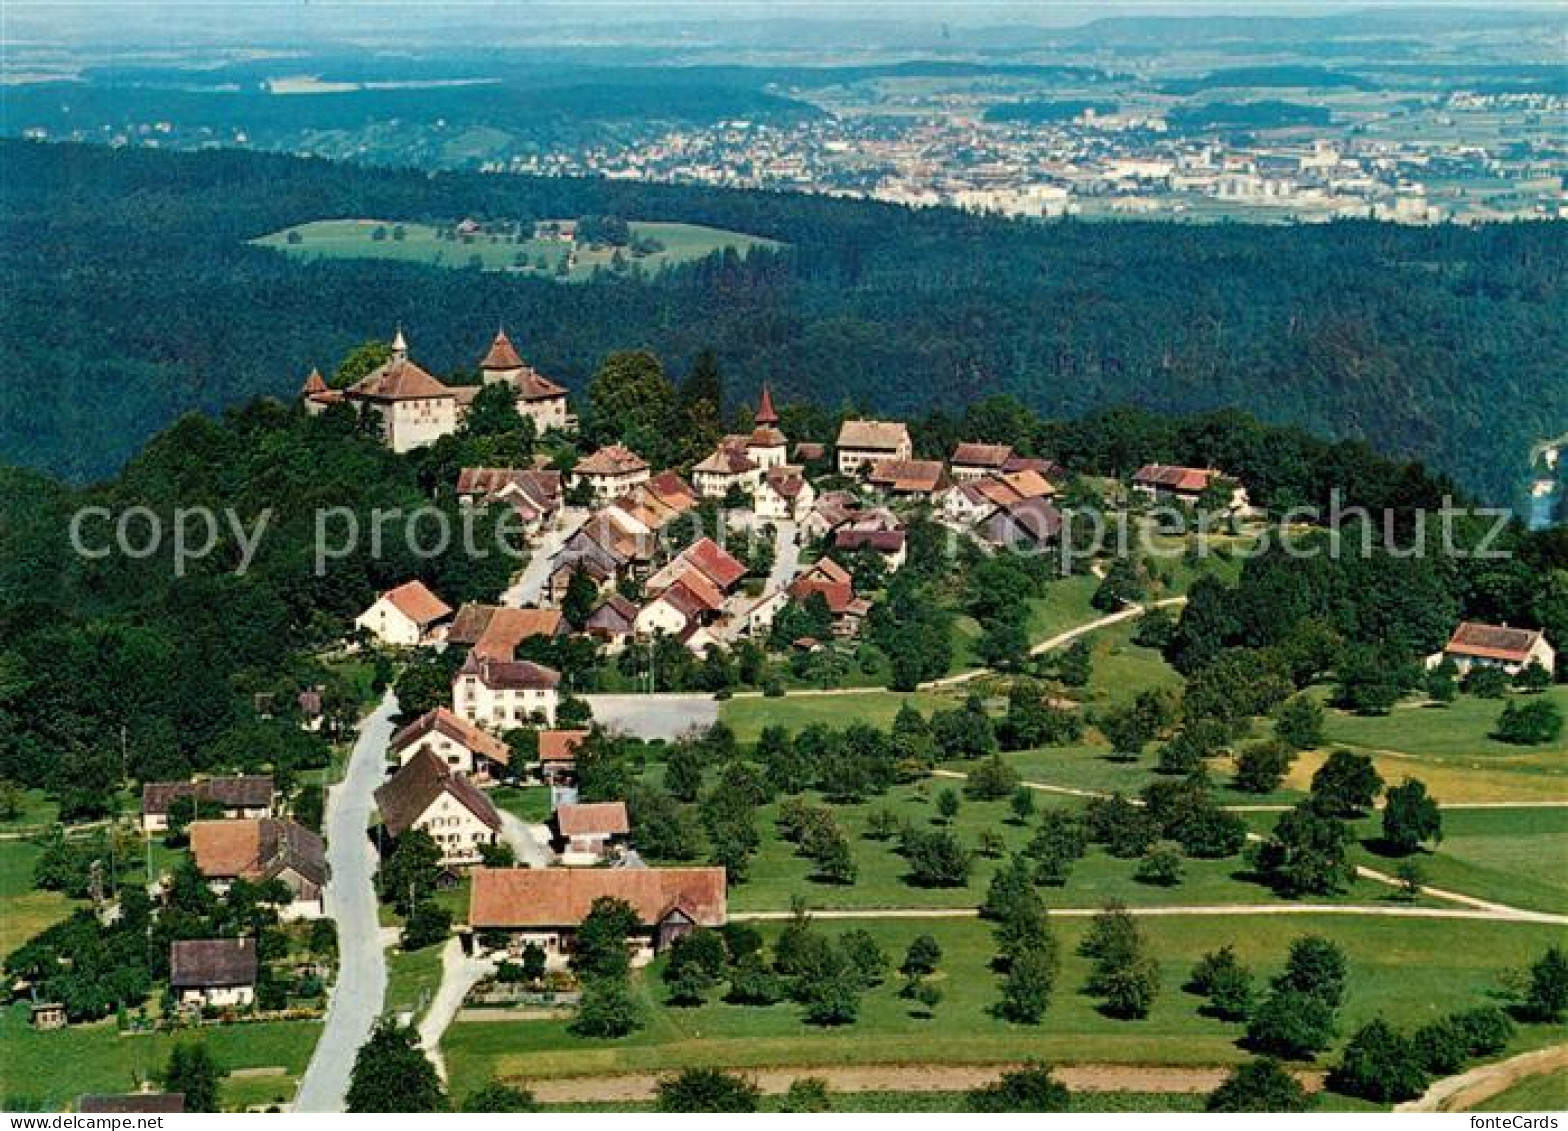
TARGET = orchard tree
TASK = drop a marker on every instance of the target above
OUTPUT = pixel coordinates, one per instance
(1346, 784)
(1028, 1089)
(392, 1073)
(1260, 1085)
(1410, 817)
(1379, 1064)
(1547, 998)
(193, 1072)
(1300, 722)
(708, 1090)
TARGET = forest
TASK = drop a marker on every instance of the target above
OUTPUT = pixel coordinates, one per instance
(133, 298)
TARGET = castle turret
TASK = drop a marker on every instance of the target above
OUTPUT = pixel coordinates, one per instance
(766, 447)
(399, 346)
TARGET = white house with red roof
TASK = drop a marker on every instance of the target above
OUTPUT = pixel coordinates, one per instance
(1185, 484)
(503, 694)
(1490, 645)
(406, 617)
(458, 743)
(610, 472)
(428, 795)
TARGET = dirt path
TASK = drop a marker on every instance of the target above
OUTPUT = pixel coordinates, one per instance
(1179, 1079)
(1060, 639)
(1462, 1092)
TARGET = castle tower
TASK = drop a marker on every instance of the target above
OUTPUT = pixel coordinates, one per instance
(502, 362)
(399, 346)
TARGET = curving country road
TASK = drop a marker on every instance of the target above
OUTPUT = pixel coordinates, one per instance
(360, 990)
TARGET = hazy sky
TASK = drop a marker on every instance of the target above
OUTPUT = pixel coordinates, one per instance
(232, 21)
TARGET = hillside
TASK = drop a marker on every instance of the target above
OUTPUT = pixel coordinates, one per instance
(134, 295)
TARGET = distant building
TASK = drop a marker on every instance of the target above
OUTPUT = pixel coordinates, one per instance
(1184, 484)
(610, 471)
(133, 1103)
(240, 797)
(538, 398)
(406, 616)
(913, 478)
(862, 443)
(1487, 645)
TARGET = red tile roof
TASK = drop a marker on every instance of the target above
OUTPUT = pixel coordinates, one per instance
(913, 475)
(560, 745)
(562, 897)
(613, 459)
(604, 818)
(994, 456)
(510, 627)
(415, 601)
(872, 435)
(242, 791)
(514, 675)
(716, 564)
(501, 354)
(398, 380)
(1493, 642)
(765, 414)
(882, 541)
(455, 727)
(1189, 480)
(410, 792)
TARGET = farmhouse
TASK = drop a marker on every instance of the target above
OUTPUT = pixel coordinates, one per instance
(716, 566)
(459, 745)
(213, 972)
(1488, 645)
(246, 796)
(831, 510)
(545, 906)
(558, 755)
(974, 461)
(610, 471)
(888, 544)
(590, 834)
(262, 851)
(538, 398)
(1184, 484)
(502, 694)
(429, 795)
(911, 478)
(533, 494)
(833, 581)
(412, 408)
(862, 443)
(406, 616)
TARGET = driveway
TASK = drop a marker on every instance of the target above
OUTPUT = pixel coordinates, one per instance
(530, 843)
(529, 585)
(664, 716)
(786, 556)
(459, 974)
(361, 985)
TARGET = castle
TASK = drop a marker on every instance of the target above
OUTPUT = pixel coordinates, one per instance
(416, 409)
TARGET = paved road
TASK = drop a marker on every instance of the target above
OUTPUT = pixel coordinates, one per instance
(530, 583)
(530, 843)
(361, 985)
(459, 974)
(654, 716)
(786, 556)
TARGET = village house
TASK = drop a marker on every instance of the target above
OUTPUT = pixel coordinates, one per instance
(460, 745)
(496, 631)
(246, 796)
(534, 495)
(1487, 645)
(1023, 524)
(429, 795)
(890, 545)
(966, 502)
(717, 566)
(656, 503)
(261, 851)
(756, 618)
(558, 755)
(831, 510)
(538, 398)
(1185, 484)
(783, 494)
(833, 581)
(590, 834)
(412, 408)
(405, 617)
(864, 443)
(689, 602)
(908, 478)
(213, 973)
(728, 468)
(974, 461)
(502, 694)
(612, 622)
(545, 906)
(610, 471)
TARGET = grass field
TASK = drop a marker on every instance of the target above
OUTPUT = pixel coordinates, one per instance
(95, 1058)
(37, 810)
(1449, 749)
(1513, 856)
(749, 714)
(412, 978)
(530, 803)
(1089, 766)
(1098, 1102)
(777, 874)
(24, 911)
(1409, 972)
(354, 239)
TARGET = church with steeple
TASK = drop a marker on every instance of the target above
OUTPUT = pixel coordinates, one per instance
(742, 460)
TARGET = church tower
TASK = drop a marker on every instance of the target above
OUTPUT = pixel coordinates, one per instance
(766, 445)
